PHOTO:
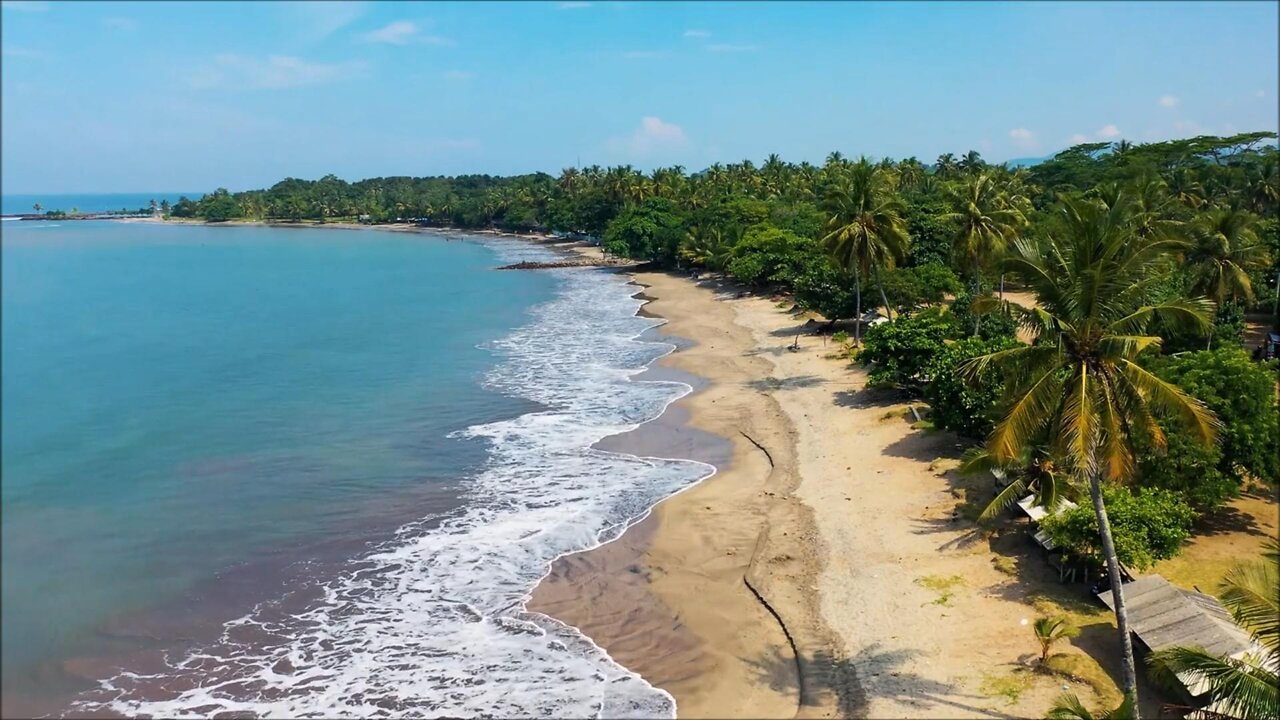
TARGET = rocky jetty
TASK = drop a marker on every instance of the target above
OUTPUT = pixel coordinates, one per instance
(569, 262)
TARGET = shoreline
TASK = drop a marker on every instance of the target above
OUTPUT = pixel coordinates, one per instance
(796, 580)
(800, 580)
(709, 596)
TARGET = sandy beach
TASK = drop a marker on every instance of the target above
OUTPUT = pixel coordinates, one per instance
(825, 570)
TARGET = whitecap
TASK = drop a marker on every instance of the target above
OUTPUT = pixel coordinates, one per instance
(434, 623)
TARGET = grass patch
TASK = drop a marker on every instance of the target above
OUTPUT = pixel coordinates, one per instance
(1006, 565)
(1010, 687)
(944, 586)
(1082, 668)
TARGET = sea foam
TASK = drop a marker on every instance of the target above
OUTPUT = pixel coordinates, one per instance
(434, 623)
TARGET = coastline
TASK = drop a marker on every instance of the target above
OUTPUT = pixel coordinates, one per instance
(801, 580)
(796, 580)
(707, 597)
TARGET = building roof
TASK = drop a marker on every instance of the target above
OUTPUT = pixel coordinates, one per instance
(1163, 615)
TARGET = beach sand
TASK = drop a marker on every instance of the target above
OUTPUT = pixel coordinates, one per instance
(825, 571)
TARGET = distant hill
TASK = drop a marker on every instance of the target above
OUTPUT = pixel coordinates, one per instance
(1028, 162)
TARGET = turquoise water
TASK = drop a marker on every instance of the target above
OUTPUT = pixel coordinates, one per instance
(284, 472)
(178, 400)
(102, 202)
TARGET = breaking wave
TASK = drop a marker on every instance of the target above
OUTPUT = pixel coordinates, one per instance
(434, 622)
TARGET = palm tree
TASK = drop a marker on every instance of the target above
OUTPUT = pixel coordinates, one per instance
(37, 207)
(865, 228)
(988, 219)
(945, 165)
(972, 163)
(1250, 686)
(1069, 707)
(1079, 383)
(1225, 248)
(1035, 470)
(1050, 631)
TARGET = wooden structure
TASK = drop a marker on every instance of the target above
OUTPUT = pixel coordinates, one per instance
(1162, 615)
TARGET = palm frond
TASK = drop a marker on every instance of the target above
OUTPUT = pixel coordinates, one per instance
(1190, 412)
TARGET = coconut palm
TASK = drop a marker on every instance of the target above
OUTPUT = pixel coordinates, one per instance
(1224, 249)
(1034, 471)
(988, 219)
(1050, 631)
(865, 228)
(1248, 687)
(1079, 384)
(1069, 707)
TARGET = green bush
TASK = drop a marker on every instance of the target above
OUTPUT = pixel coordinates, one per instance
(1147, 525)
(1187, 467)
(968, 408)
(994, 324)
(827, 291)
(898, 351)
(651, 230)
(1242, 393)
(768, 254)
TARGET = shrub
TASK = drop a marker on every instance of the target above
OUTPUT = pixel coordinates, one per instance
(651, 230)
(826, 290)
(898, 351)
(968, 408)
(768, 254)
(1188, 468)
(994, 324)
(907, 288)
(1242, 393)
(1147, 525)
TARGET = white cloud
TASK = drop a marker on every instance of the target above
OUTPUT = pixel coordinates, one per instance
(458, 75)
(1168, 101)
(1023, 138)
(1106, 132)
(729, 48)
(122, 24)
(573, 5)
(1079, 139)
(697, 34)
(25, 5)
(653, 137)
(229, 70)
(403, 32)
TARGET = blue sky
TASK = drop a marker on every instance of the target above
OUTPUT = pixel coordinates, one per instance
(117, 97)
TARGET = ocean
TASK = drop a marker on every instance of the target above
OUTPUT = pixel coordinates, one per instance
(104, 202)
(290, 472)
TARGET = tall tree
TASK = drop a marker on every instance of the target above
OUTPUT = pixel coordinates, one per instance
(987, 218)
(865, 227)
(1224, 250)
(1079, 384)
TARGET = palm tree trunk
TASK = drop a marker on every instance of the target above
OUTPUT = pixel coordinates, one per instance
(1117, 592)
(857, 320)
(977, 287)
(887, 312)
(1002, 287)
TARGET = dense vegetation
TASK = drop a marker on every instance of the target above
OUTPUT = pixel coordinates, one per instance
(1084, 316)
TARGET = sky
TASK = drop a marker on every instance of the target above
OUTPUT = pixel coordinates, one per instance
(152, 96)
